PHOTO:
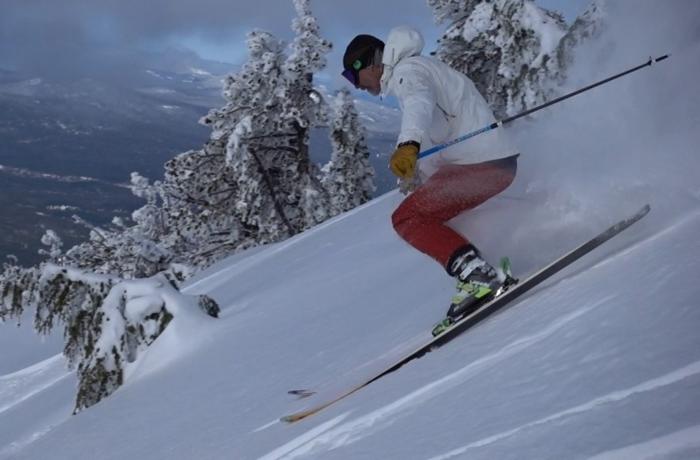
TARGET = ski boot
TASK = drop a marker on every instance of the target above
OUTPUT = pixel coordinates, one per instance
(477, 283)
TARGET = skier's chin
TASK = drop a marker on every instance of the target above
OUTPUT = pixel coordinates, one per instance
(373, 91)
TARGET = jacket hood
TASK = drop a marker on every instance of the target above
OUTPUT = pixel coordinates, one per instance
(402, 42)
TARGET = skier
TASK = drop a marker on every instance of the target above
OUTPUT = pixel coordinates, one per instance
(438, 104)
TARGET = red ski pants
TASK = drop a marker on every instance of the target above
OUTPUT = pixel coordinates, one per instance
(420, 218)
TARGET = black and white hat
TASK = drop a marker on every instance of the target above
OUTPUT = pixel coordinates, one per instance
(360, 53)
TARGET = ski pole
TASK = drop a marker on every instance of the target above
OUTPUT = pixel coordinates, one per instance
(496, 124)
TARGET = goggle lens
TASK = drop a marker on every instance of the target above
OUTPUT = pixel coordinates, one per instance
(351, 76)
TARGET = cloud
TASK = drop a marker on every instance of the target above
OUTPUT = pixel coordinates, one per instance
(74, 37)
(70, 39)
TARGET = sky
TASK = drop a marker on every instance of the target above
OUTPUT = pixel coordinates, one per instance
(73, 37)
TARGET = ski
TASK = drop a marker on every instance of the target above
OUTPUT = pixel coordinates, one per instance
(481, 313)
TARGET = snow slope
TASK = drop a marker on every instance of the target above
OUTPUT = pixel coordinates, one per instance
(602, 361)
(603, 358)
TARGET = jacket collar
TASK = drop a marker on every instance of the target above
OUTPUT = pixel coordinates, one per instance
(402, 42)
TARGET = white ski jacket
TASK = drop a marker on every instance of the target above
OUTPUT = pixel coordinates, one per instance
(438, 104)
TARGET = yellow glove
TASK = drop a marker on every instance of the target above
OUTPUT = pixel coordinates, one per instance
(403, 161)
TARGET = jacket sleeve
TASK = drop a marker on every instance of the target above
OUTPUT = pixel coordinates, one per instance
(416, 93)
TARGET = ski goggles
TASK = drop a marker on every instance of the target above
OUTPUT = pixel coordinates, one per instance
(353, 74)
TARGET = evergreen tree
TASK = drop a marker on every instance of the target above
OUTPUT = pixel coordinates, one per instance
(139, 250)
(452, 11)
(108, 321)
(229, 189)
(252, 183)
(264, 131)
(348, 176)
(507, 47)
(588, 25)
(307, 201)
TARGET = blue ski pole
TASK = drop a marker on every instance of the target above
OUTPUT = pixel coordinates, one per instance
(496, 124)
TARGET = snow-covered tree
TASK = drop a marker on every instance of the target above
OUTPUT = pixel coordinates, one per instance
(108, 321)
(137, 249)
(108, 317)
(348, 176)
(507, 47)
(254, 139)
(264, 131)
(307, 200)
(588, 25)
(222, 198)
(515, 52)
(252, 183)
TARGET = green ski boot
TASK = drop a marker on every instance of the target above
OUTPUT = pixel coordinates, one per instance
(477, 283)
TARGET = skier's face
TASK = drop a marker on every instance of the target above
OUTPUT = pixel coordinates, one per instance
(370, 78)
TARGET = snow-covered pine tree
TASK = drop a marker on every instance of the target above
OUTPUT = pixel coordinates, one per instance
(108, 321)
(348, 176)
(136, 250)
(252, 183)
(588, 25)
(307, 201)
(507, 47)
(223, 197)
(264, 133)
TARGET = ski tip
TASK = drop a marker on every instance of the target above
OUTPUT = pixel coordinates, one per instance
(301, 394)
(294, 417)
(642, 212)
